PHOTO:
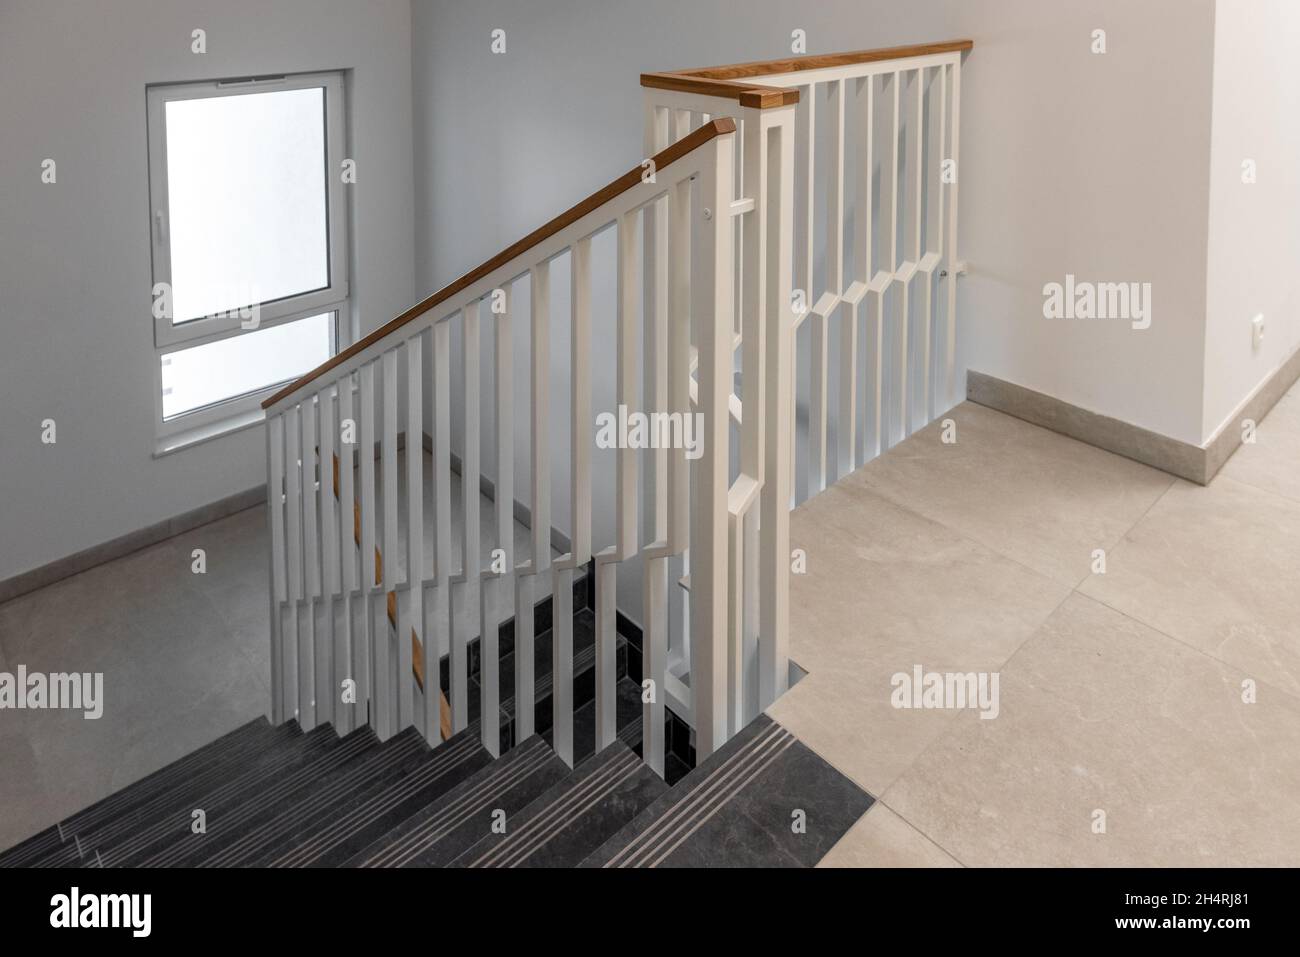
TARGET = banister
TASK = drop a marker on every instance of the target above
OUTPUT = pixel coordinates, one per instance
(721, 80)
(756, 97)
(628, 180)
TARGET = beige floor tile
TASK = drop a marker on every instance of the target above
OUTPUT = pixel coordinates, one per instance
(1037, 497)
(1099, 712)
(883, 839)
(1272, 461)
(886, 590)
(1218, 568)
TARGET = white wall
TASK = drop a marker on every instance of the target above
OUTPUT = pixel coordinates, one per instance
(1254, 230)
(76, 335)
(1072, 162)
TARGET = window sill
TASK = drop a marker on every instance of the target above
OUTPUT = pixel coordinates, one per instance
(175, 442)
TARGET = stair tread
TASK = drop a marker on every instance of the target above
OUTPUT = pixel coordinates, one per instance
(737, 809)
(282, 740)
(357, 823)
(151, 834)
(258, 797)
(438, 833)
(573, 817)
(136, 793)
(321, 800)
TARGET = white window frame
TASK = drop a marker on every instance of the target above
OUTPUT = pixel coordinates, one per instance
(242, 411)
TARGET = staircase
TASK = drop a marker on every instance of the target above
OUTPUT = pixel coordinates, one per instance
(413, 723)
(276, 796)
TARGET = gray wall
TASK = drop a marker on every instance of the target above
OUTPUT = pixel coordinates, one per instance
(76, 335)
(1071, 162)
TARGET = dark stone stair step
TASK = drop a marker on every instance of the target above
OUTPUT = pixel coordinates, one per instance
(574, 817)
(258, 799)
(438, 833)
(358, 823)
(299, 812)
(283, 742)
(143, 836)
(737, 809)
(137, 793)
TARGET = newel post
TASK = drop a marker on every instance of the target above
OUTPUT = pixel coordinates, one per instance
(778, 401)
(713, 303)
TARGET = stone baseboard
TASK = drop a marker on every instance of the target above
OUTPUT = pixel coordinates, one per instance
(1196, 463)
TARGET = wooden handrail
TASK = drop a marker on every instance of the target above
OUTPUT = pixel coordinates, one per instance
(570, 216)
(756, 97)
(721, 80)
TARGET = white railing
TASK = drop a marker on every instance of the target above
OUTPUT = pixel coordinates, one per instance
(733, 234)
(337, 591)
(877, 136)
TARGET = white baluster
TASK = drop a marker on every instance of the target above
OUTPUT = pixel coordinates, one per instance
(437, 619)
(950, 346)
(915, 181)
(489, 645)
(713, 298)
(307, 652)
(387, 693)
(895, 368)
(354, 664)
(562, 578)
(275, 513)
(293, 512)
(328, 706)
(375, 621)
(465, 594)
(774, 519)
(416, 574)
(654, 481)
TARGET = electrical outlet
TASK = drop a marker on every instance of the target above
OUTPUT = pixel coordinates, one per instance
(1257, 332)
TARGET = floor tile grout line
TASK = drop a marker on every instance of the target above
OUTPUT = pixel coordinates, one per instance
(964, 536)
(1124, 536)
(1146, 624)
(948, 729)
(1289, 499)
(899, 814)
(1294, 499)
(1266, 682)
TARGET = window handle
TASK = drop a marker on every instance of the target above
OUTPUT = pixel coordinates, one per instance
(160, 225)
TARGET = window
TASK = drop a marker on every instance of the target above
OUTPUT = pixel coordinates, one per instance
(249, 243)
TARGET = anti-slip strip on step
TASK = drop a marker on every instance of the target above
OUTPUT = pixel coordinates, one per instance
(367, 770)
(562, 811)
(502, 777)
(180, 792)
(231, 803)
(265, 799)
(21, 855)
(137, 792)
(581, 802)
(444, 760)
(654, 855)
(205, 792)
(284, 739)
(707, 796)
(391, 757)
(735, 809)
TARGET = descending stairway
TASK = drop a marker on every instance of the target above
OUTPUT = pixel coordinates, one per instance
(278, 797)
